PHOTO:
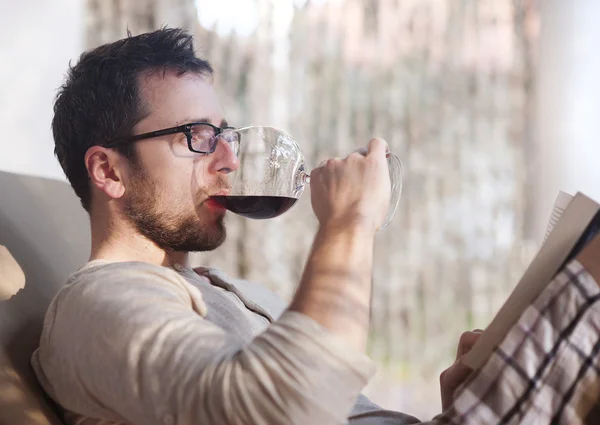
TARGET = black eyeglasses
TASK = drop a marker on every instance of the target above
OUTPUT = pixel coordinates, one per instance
(202, 137)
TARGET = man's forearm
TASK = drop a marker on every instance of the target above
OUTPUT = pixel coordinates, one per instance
(335, 289)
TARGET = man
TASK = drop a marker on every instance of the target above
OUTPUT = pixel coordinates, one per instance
(137, 336)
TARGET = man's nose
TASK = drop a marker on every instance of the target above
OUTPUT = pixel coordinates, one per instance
(224, 159)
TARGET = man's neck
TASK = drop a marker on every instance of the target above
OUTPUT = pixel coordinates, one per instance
(119, 242)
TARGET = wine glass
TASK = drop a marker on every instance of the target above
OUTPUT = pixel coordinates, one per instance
(272, 176)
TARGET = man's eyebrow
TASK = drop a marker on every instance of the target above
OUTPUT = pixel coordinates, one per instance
(207, 120)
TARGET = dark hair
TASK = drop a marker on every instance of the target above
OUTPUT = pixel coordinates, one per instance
(100, 101)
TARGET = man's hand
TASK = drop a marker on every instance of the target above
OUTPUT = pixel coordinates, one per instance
(354, 190)
(453, 377)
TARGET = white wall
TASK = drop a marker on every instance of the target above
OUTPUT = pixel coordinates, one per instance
(37, 40)
(568, 102)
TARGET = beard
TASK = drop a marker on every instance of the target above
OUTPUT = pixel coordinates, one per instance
(166, 226)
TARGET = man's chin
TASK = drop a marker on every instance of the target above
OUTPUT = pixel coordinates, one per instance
(193, 236)
(216, 241)
(211, 238)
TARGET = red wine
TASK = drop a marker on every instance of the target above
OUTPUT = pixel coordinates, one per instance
(258, 207)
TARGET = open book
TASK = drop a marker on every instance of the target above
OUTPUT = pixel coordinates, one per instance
(573, 223)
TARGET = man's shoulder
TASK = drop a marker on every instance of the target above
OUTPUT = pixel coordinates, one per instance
(101, 295)
(97, 280)
(104, 310)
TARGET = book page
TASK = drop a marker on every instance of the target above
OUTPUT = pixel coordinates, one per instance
(560, 205)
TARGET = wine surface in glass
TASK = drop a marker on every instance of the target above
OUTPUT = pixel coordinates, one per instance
(256, 207)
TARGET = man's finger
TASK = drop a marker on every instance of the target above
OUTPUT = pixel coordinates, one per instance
(363, 151)
(377, 147)
(327, 161)
(450, 380)
(466, 342)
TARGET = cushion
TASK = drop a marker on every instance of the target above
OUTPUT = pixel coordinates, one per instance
(44, 236)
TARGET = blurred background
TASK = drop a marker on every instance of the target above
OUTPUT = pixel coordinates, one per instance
(492, 105)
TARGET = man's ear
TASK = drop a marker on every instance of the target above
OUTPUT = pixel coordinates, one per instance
(106, 169)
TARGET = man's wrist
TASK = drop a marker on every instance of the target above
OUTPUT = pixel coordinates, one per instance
(356, 226)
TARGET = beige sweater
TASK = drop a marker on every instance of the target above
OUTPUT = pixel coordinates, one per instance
(133, 343)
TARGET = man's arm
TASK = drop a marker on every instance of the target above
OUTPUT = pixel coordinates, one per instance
(350, 198)
(336, 286)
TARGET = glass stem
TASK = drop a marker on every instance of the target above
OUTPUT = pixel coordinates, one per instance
(305, 178)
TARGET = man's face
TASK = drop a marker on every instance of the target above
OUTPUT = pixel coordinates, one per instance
(168, 188)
